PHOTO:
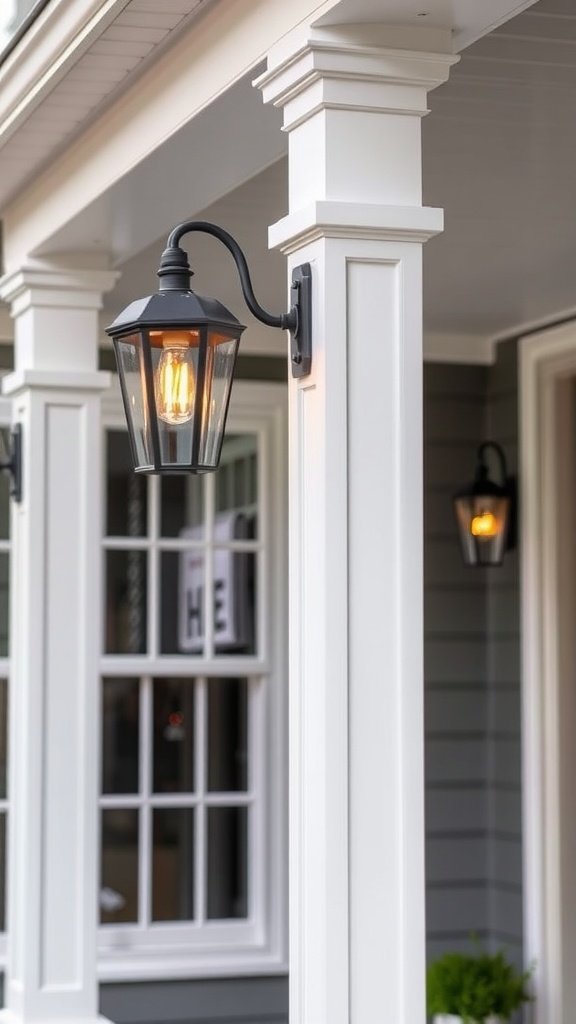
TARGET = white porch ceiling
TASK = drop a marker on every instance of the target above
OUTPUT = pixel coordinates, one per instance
(499, 156)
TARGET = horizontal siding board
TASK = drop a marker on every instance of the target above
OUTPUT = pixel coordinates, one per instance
(506, 816)
(456, 810)
(450, 464)
(456, 711)
(443, 564)
(506, 859)
(506, 910)
(506, 762)
(439, 520)
(454, 611)
(505, 711)
(455, 759)
(460, 909)
(505, 660)
(455, 859)
(460, 417)
(504, 608)
(455, 661)
(450, 380)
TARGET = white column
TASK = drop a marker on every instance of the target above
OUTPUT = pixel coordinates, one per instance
(353, 100)
(55, 638)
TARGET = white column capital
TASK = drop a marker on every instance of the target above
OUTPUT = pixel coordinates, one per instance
(353, 98)
(55, 311)
(50, 380)
(355, 220)
(362, 67)
(55, 287)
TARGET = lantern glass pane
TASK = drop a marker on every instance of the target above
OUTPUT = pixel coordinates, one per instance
(483, 523)
(176, 359)
(132, 380)
(220, 370)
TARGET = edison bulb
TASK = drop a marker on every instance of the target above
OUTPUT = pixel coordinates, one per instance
(175, 384)
(484, 525)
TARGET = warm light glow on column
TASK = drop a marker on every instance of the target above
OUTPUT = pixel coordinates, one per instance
(175, 383)
(484, 525)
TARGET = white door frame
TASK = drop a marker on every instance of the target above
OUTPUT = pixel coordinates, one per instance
(548, 566)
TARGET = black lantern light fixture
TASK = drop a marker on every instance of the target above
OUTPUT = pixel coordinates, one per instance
(11, 458)
(176, 353)
(485, 512)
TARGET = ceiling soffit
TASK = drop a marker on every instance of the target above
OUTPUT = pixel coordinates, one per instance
(75, 73)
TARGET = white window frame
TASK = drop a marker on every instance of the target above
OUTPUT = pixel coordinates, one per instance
(5, 546)
(548, 491)
(257, 945)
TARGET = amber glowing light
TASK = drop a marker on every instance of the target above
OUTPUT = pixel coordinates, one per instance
(175, 385)
(484, 525)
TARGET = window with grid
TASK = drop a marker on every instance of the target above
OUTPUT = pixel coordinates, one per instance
(192, 684)
(4, 674)
(5, 418)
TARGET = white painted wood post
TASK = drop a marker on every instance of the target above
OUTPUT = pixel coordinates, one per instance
(55, 638)
(352, 100)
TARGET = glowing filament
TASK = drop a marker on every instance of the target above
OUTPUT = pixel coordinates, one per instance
(484, 525)
(175, 384)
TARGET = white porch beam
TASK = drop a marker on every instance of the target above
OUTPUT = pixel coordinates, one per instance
(221, 46)
(55, 635)
(352, 104)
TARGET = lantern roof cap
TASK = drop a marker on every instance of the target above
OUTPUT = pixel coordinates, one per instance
(483, 487)
(172, 309)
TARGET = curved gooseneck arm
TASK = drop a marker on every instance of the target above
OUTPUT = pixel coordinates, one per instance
(175, 271)
(493, 446)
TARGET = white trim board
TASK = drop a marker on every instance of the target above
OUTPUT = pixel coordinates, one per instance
(548, 589)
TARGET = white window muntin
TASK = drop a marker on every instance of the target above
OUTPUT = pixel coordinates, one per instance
(257, 943)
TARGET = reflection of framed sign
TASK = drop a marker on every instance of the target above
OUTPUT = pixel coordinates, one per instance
(232, 606)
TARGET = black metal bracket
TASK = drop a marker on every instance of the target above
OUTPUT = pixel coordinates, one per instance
(13, 463)
(301, 337)
(174, 273)
(509, 486)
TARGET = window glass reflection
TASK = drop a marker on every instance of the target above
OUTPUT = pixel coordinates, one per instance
(234, 602)
(173, 865)
(127, 493)
(4, 603)
(120, 735)
(126, 597)
(182, 506)
(182, 582)
(236, 478)
(227, 735)
(227, 862)
(119, 872)
(173, 736)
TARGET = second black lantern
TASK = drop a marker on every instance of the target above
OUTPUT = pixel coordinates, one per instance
(485, 512)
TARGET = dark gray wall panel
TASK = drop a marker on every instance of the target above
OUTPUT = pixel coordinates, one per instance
(214, 1001)
(455, 660)
(472, 676)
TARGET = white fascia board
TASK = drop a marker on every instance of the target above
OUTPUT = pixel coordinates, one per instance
(52, 45)
(224, 43)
